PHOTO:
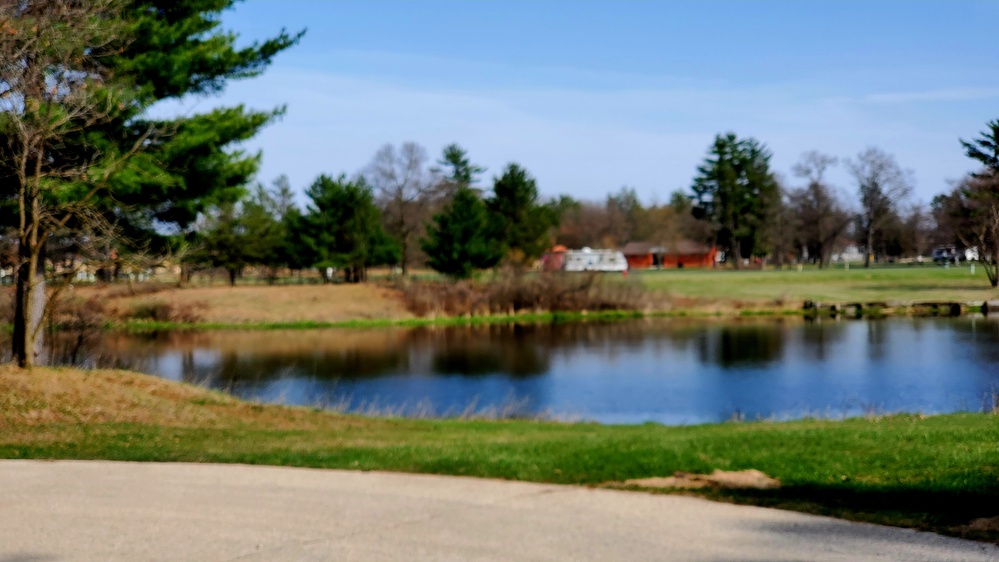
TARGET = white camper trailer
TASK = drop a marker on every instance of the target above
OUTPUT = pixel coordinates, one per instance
(595, 260)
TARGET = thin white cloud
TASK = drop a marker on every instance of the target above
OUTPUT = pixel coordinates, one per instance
(413, 68)
(944, 95)
(580, 141)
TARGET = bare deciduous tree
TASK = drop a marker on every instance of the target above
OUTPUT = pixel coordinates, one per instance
(918, 230)
(881, 185)
(783, 226)
(53, 92)
(404, 186)
(821, 217)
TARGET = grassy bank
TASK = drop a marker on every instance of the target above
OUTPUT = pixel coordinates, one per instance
(670, 293)
(678, 293)
(935, 473)
(907, 284)
(544, 317)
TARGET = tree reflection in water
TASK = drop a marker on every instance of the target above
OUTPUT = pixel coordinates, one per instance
(669, 370)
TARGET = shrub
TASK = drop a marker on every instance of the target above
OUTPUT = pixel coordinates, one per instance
(135, 289)
(513, 293)
(160, 311)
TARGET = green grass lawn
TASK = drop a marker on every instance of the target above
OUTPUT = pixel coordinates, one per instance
(900, 283)
(935, 473)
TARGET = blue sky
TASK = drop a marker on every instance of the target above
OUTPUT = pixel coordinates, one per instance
(592, 96)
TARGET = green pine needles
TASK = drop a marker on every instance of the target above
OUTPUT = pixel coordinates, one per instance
(459, 240)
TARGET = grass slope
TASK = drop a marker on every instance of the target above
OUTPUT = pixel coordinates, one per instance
(936, 473)
(902, 283)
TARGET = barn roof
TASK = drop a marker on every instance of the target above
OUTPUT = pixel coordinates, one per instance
(641, 249)
(687, 247)
(680, 248)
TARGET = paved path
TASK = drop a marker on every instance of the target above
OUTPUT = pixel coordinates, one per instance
(136, 511)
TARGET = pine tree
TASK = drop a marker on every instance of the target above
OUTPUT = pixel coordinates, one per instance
(735, 190)
(223, 242)
(985, 149)
(458, 241)
(105, 164)
(519, 220)
(971, 211)
(177, 48)
(458, 169)
(342, 228)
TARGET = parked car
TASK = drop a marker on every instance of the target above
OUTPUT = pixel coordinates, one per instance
(951, 254)
(943, 254)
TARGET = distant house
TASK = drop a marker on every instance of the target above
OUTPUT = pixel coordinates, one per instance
(685, 253)
(643, 255)
(851, 253)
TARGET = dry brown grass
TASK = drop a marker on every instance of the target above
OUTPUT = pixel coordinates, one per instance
(44, 396)
(263, 304)
(512, 294)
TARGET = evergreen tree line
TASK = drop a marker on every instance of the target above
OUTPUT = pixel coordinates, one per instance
(395, 213)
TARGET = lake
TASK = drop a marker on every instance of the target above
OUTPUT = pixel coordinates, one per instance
(670, 371)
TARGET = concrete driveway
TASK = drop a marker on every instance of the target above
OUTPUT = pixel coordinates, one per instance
(146, 511)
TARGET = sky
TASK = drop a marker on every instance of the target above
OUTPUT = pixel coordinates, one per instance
(591, 96)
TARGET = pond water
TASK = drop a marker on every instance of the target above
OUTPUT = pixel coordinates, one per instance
(662, 370)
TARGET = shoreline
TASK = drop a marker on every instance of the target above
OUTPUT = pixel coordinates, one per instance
(722, 311)
(911, 310)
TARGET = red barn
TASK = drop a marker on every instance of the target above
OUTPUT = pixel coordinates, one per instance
(643, 255)
(685, 253)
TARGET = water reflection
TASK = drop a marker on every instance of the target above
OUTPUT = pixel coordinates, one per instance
(821, 338)
(664, 370)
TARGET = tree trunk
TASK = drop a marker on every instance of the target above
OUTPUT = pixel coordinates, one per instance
(404, 262)
(29, 338)
(867, 248)
(992, 269)
(232, 277)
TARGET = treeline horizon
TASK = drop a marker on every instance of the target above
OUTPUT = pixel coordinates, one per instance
(403, 209)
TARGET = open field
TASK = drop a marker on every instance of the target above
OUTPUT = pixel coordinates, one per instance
(263, 304)
(935, 473)
(675, 293)
(883, 284)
